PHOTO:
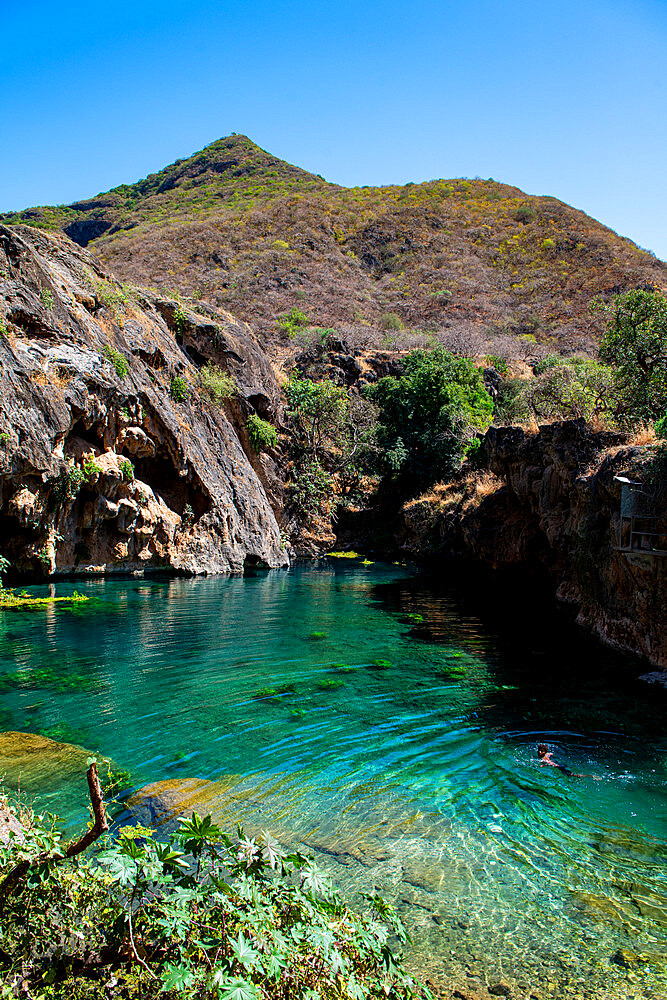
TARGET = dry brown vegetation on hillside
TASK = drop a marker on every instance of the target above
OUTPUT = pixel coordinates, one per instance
(475, 262)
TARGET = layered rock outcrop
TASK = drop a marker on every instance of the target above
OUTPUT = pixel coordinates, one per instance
(113, 453)
(552, 499)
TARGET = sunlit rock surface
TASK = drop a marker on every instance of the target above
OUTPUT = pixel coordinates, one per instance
(88, 368)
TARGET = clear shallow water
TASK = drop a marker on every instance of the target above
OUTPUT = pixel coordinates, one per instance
(418, 778)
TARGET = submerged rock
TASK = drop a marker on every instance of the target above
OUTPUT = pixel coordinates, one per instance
(31, 761)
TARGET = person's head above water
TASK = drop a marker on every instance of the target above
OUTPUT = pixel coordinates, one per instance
(542, 749)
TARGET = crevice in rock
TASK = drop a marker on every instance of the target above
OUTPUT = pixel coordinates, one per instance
(79, 432)
(177, 491)
(30, 323)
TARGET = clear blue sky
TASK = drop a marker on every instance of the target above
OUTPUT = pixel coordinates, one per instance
(563, 98)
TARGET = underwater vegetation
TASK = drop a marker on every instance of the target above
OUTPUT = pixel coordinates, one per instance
(342, 668)
(48, 678)
(317, 635)
(329, 684)
(277, 692)
(380, 665)
(10, 599)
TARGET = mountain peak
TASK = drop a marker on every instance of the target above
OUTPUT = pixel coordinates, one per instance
(230, 159)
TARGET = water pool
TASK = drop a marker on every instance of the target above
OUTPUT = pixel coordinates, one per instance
(389, 724)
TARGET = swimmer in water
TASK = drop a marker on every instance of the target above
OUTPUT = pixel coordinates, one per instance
(546, 758)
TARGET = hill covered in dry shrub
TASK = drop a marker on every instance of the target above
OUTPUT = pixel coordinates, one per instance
(477, 263)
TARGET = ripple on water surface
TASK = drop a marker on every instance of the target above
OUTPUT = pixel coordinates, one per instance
(401, 751)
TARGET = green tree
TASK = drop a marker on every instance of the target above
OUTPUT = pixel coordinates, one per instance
(636, 343)
(430, 415)
(318, 411)
(562, 388)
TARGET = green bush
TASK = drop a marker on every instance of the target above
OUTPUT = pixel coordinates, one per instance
(391, 322)
(261, 433)
(500, 364)
(292, 322)
(179, 388)
(113, 296)
(561, 388)
(127, 469)
(216, 384)
(118, 360)
(635, 342)
(524, 214)
(310, 488)
(180, 319)
(430, 415)
(245, 921)
(318, 411)
(47, 298)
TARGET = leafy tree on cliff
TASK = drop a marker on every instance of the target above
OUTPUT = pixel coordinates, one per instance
(430, 415)
(332, 435)
(636, 344)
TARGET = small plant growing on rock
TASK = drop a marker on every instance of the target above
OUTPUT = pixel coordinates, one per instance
(127, 470)
(111, 295)
(90, 467)
(261, 433)
(180, 319)
(118, 360)
(47, 298)
(216, 384)
(179, 389)
(188, 517)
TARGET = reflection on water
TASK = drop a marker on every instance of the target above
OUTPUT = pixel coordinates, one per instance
(400, 750)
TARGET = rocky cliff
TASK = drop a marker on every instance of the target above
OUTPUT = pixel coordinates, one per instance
(551, 499)
(114, 452)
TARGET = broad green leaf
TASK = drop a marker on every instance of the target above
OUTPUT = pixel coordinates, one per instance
(176, 977)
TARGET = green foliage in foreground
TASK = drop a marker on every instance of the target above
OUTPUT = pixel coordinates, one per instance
(196, 916)
(430, 415)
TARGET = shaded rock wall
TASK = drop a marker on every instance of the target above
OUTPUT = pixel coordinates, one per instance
(551, 499)
(87, 368)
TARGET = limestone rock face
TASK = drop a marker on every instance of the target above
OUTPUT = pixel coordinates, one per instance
(551, 498)
(107, 463)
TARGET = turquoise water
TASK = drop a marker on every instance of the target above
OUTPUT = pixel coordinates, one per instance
(401, 752)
